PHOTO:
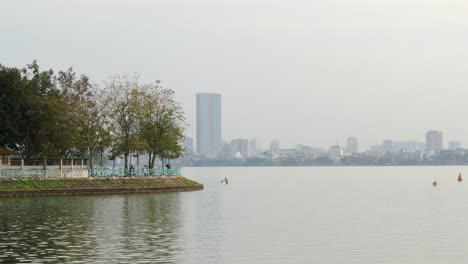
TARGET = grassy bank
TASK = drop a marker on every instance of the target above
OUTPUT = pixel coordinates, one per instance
(91, 186)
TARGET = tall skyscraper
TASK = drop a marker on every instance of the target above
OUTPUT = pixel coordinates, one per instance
(208, 124)
(434, 140)
(352, 145)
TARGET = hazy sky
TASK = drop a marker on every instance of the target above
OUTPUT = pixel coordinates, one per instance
(311, 72)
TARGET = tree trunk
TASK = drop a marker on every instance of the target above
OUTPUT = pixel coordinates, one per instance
(149, 160)
(152, 161)
(91, 161)
(91, 158)
(138, 159)
(126, 160)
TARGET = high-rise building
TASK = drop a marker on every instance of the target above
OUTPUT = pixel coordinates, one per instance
(434, 140)
(275, 145)
(226, 151)
(335, 152)
(453, 145)
(240, 146)
(387, 145)
(352, 145)
(208, 124)
(253, 147)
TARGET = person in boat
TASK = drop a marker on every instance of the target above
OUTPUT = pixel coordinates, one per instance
(434, 183)
(225, 180)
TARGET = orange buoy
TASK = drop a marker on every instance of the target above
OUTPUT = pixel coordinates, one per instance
(460, 177)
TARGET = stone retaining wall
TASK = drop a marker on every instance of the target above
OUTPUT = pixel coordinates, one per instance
(96, 186)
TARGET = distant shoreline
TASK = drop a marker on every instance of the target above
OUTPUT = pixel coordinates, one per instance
(285, 166)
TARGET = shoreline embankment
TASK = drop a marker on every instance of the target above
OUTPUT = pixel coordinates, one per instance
(86, 186)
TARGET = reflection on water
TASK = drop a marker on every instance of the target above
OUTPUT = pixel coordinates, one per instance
(125, 229)
(265, 215)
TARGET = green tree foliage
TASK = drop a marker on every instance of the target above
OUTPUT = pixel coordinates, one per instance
(161, 124)
(13, 106)
(123, 103)
(45, 115)
(86, 112)
(30, 108)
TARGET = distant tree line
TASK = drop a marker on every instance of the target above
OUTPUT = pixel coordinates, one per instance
(43, 115)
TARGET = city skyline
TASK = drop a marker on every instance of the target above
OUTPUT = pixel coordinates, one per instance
(352, 144)
(210, 105)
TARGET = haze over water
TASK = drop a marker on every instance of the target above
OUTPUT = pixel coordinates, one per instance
(264, 215)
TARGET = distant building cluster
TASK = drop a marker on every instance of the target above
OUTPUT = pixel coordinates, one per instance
(212, 150)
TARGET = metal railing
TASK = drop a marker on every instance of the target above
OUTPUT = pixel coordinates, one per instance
(37, 173)
(136, 172)
(21, 174)
(41, 162)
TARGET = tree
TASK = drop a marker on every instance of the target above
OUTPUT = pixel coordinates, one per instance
(86, 105)
(161, 124)
(123, 105)
(69, 139)
(30, 108)
(13, 105)
(171, 146)
(44, 115)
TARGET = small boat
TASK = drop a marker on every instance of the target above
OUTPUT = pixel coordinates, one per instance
(460, 177)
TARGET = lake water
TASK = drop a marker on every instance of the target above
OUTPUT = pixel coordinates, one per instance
(264, 215)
